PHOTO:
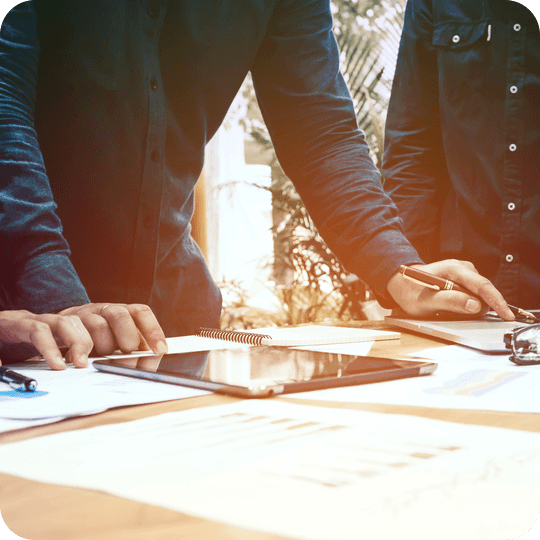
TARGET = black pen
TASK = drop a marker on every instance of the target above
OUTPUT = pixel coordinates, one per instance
(16, 380)
(429, 280)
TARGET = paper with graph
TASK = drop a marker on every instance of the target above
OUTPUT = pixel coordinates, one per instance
(464, 379)
(305, 472)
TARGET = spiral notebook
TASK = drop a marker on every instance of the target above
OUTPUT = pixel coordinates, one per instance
(299, 336)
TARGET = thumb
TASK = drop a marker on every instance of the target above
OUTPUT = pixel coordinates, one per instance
(457, 302)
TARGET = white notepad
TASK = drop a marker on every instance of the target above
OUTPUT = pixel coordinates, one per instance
(291, 336)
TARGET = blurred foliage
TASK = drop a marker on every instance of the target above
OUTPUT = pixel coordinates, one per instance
(310, 282)
(238, 315)
(368, 34)
(298, 305)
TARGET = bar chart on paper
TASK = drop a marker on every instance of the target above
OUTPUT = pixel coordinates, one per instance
(477, 382)
(306, 472)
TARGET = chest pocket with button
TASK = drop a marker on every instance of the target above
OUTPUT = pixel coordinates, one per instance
(461, 35)
(463, 57)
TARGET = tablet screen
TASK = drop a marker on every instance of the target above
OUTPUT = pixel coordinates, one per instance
(260, 366)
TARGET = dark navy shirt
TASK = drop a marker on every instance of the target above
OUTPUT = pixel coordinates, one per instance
(462, 154)
(106, 106)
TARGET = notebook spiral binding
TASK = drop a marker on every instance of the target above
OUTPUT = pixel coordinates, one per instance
(231, 335)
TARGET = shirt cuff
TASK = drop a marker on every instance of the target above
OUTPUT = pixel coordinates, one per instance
(380, 259)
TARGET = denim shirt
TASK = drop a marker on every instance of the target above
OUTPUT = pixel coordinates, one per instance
(127, 93)
(462, 147)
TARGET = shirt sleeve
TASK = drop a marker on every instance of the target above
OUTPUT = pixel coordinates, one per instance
(37, 273)
(414, 166)
(310, 116)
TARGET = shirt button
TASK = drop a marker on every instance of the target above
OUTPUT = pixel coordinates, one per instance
(509, 258)
(513, 89)
(153, 83)
(512, 147)
(511, 206)
(455, 39)
(517, 27)
(154, 155)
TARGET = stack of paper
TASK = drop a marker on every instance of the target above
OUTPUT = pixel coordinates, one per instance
(77, 392)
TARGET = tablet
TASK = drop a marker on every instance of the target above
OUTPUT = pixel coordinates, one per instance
(263, 371)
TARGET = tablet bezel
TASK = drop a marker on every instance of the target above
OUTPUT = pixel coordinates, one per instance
(404, 369)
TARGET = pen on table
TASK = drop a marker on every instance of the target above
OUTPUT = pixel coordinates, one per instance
(429, 280)
(16, 380)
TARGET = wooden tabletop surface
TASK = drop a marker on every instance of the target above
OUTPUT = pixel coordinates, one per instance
(38, 511)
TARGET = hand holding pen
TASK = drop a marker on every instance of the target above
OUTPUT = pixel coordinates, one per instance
(446, 286)
(439, 284)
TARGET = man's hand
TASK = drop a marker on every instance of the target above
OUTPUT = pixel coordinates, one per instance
(120, 326)
(48, 333)
(424, 302)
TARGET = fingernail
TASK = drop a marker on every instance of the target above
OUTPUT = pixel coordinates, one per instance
(161, 347)
(83, 359)
(59, 363)
(473, 306)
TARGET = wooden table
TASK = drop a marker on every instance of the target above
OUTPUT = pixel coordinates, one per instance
(39, 511)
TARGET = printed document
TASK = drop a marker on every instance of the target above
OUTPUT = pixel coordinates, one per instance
(464, 379)
(305, 472)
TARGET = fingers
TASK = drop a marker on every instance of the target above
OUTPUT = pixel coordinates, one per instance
(106, 327)
(465, 274)
(431, 302)
(100, 332)
(41, 336)
(78, 340)
(47, 333)
(54, 330)
(152, 334)
(422, 301)
(121, 326)
(143, 345)
(133, 326)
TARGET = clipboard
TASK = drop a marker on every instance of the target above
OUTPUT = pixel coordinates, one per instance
(257, 372)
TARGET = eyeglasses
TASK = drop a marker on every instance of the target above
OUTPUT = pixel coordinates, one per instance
(525, 344)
